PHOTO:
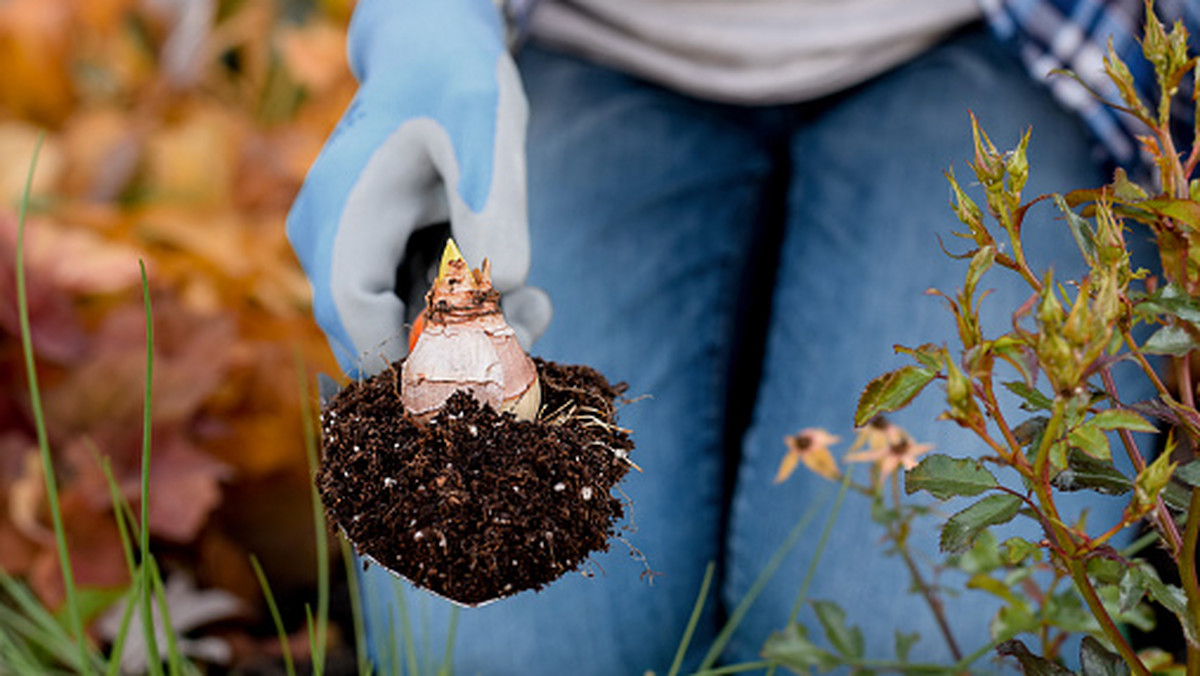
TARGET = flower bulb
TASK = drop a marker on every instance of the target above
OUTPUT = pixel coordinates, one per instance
(464, 343)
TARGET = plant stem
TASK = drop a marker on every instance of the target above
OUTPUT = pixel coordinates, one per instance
(930, 596)
(1162, 516)
(1187, 572)
(1096, 606)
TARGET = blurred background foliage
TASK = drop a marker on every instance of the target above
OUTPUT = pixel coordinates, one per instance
(177, 132)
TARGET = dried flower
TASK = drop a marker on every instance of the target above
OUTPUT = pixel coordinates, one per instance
(464, 343)
(811, 447)
(887, 445)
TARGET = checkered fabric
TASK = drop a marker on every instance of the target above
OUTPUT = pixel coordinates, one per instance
(1074, 34)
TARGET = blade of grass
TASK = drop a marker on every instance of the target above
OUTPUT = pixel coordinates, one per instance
(356, 610)
(153, 659)
(14, 658)
(447, 667)
(393, 660)
(760, 583)
(174, 657)
(410, 644)
(320, 529)
(802, 595)
(60, 534)
(118, 646)
(697, 610)
(121, 514)
(289, 666)
(40, 628)
(118, 503)
(811, 572)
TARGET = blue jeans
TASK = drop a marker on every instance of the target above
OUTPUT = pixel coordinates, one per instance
(750, 269)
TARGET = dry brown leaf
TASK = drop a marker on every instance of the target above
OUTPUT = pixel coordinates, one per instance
(17, 141)
(185, 488)
(35, 40)
(97, 558)
(315, 55)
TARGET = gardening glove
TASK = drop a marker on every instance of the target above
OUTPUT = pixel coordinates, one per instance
(435, 134)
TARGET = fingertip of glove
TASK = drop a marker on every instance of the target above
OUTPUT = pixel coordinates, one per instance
(529, 311)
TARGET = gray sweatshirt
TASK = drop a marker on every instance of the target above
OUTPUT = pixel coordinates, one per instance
(750, 51)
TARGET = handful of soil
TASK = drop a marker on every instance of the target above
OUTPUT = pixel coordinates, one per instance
(468, 468)
(475, 505)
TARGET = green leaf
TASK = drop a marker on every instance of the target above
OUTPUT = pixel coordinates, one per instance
(1170, 340)
(1172, 301)
(960, 530)
(1090, 440)
(1017, 550)
(982, 557)
(1086, 473)
(1183, 210)
(1034, 400)
(1081, 229)
(1189, 473)
(945, 477)
(1177, 497)
(1171, 597)
(792, 649)
(904, 644)
(1029, 432)
(1031, 665)
(1122, 419)
(891, 391)
(846, 640)
(1096, 660)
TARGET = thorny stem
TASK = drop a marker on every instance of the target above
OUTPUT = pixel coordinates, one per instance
(1131, 344)
(1187, 573)
(1162, 517)
(1084, 585)
(931, 597)
(1187, 554)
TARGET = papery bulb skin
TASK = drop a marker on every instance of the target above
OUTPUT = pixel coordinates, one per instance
(465, 344)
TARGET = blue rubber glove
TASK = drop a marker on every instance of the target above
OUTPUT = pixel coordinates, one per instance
(435, 134)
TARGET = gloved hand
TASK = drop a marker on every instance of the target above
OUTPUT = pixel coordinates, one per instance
(436, 133)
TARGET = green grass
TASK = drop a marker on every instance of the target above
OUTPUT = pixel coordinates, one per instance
(35, 640)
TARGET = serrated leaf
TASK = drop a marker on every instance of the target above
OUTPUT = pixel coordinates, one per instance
(982, 557)
(1183, 210)
(1090, 440)
(1031, 664)
(1017, 550)
(961, 529)
(891, 391)
(1081, 229)
(1029, 432)
(1122, 419)
(1034, 400)
(1189, 473)
(792, 649)
(1170, 340)
(1171, 300)
(1171, 597)
(1177, 497)
(1096, 660)
(944, 477)
(929, 355)
(845, 639)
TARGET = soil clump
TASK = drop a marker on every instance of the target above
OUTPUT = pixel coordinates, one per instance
(475, 505)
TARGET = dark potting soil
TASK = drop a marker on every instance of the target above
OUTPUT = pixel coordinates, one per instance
(476, 505)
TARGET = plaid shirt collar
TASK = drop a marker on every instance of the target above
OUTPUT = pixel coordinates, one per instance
(1074, 35)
